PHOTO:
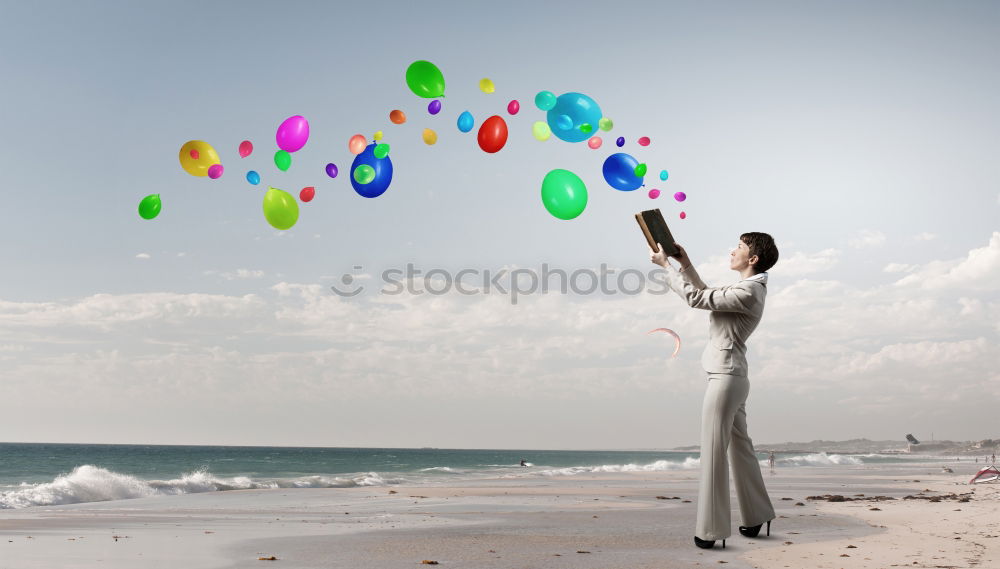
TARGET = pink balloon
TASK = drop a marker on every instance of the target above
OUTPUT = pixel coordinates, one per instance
(680, 196)
(644, 141)
(292, 134)
(683, 215)
(215, 171)
(653, 194)
(513, 107)
(246, 147)
(595, 142)
(357, 144)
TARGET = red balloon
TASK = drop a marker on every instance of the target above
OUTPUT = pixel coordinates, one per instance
(307, 194)
(493, 134)
(246, 148)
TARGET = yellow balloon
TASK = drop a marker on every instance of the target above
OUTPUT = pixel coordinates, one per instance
(377, 136)
(486, 85)
(197, 156)
(430, 137)
(541, 131)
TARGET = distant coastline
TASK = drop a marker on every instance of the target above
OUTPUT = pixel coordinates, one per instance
(867, 446)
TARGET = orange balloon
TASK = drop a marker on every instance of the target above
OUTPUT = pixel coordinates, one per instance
(397, 117)
(357, 144)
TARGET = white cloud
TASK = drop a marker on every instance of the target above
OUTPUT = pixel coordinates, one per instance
(867, 238)
(142, 256)
(800, 263)
(238, 274)
(898, 268)
(925, 236)
(980, 269)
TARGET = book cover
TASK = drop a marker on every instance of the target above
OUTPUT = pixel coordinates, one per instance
(654, 227)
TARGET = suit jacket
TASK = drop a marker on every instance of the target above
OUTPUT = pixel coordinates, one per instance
(736, 311)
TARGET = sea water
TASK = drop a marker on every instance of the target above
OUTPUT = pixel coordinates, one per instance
(40, 474)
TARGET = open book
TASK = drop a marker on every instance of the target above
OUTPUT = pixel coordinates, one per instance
(656, 231)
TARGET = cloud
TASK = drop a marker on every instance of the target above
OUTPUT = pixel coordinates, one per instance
(143, 256)
(867, 238)
(898, 268)
(238, 274)
(800, 263)
(925, 236)
(979, 270)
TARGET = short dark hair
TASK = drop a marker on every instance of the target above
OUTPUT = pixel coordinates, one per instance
(762, 245)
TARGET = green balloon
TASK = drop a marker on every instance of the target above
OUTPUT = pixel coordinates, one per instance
(364, 174)
(586, 128)
(425, 79)
(563, 194)
(605, 124)
(640, 170)
(149, 207)
(381, 151)
(280, 209)
(282, 159)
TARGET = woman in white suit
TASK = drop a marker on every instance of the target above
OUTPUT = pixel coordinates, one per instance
(735, 312)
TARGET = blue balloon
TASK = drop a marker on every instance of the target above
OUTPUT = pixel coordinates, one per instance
(619, 172)
(383, 173)
(253, 177)
(465, 121)
(571, 111)
(620, 142)
(663, 175)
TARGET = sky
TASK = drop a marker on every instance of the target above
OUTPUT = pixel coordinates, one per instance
(863, 136)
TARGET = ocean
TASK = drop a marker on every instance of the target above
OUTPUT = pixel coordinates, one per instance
(43, 474)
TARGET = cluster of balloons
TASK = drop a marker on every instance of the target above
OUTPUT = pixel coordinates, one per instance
(572, 117)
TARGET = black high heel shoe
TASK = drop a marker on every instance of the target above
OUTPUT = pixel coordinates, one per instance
(707, 544)
(753, 531)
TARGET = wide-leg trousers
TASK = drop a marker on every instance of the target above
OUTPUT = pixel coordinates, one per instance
(724, 431)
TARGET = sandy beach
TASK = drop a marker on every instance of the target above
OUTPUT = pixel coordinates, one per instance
(627, 520)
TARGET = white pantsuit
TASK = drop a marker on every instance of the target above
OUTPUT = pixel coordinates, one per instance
(735, 312)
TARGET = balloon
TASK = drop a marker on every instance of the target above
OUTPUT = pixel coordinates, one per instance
(282, 159)
(381, 150)
(619, 172)
(677, 339)
(253, 177)
(246, 148)
(434, 107)
(377, 136)
(307, 193)
(383, 173)
(605, 124)
(292, 134)
(425, 79)
(595, 142)
(197, 156)
(429, 136)
(493, 134)
(680, 196)
(331, 170)
(545, 100)
(364, 174)
(586, 128)
(640, 170)
(580, 109)
(280, 209)
(513, 107)
(620, 142)
(149, 207)
(357, 144)
(563, 194)
(465, 121)
(653, 194)
(541, 131)
(215, 171)
(683, 215)
(397, 117)
(486, 85)
(663, 175)
(644, 141)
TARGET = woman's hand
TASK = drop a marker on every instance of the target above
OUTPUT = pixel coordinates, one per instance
(658, 257)
(681, 256)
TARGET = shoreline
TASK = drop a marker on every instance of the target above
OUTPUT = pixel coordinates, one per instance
(618, 520)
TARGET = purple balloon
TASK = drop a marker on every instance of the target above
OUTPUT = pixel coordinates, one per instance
(680, 196)
(331, 170)
(292, 134)
(215, 171)
(434, 107)
(620, 142)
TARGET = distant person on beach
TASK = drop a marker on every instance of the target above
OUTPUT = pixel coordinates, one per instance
(770, 461)
(524, 462)
(993, 458)
(736, 310)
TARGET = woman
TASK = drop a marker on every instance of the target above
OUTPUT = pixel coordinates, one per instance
(736, 311)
